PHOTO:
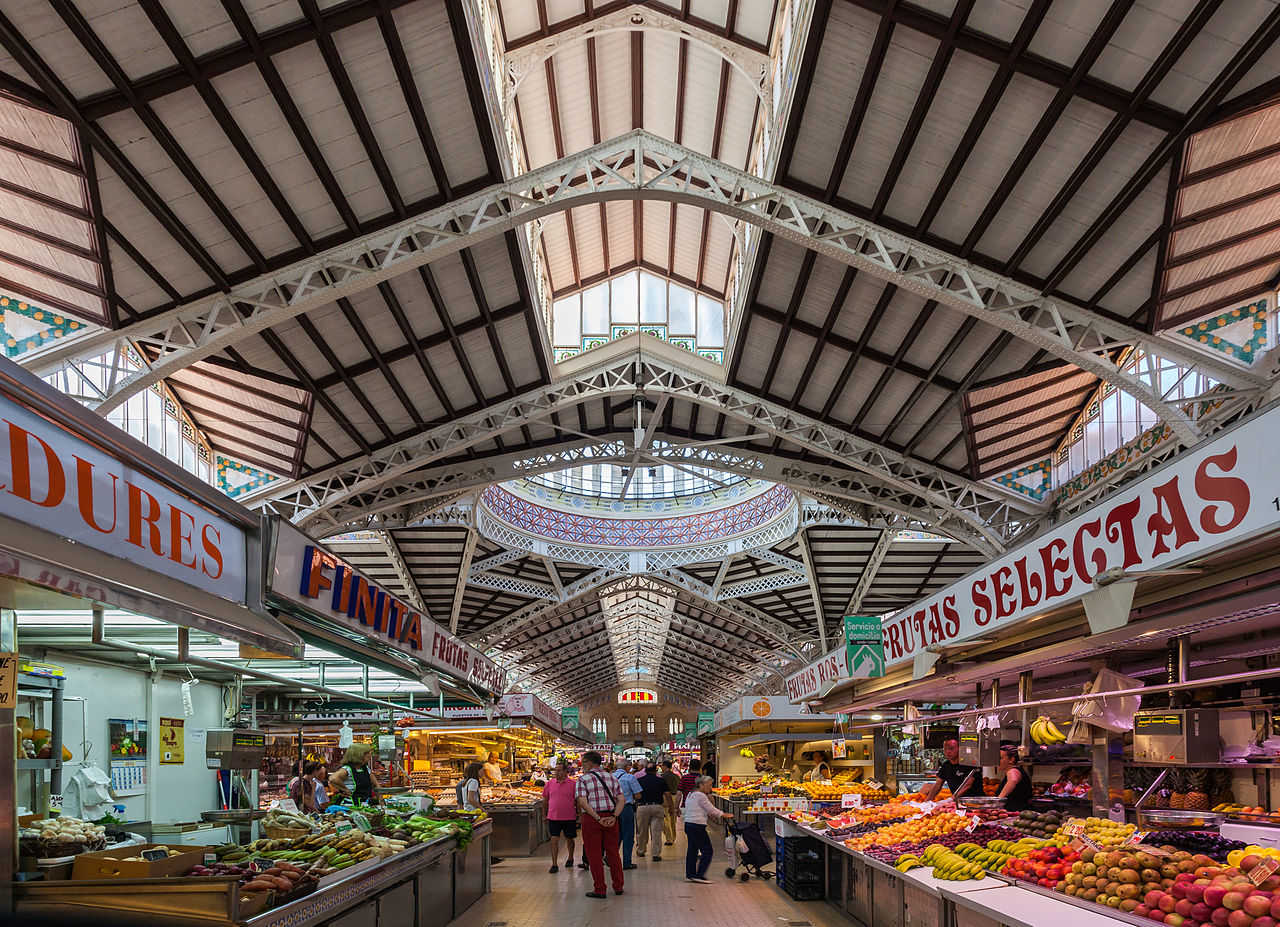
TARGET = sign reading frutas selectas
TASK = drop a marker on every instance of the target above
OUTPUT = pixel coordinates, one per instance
(305, 574)
(1219, 494)
(59, 482)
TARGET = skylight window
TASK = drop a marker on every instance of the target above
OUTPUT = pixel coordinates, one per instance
(638, 300)
(647, 482)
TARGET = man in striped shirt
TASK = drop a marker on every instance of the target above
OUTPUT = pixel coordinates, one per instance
(689, 781)
(599, 798)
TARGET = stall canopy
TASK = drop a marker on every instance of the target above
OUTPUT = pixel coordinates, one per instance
(88, 513)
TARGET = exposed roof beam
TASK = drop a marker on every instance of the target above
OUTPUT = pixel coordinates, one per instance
(868, 574)
(819, 612)
(403, 573)
(468, 551)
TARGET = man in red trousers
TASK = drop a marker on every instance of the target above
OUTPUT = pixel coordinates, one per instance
(599, 798)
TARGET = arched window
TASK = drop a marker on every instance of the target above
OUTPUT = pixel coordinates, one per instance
(675, 726)
(638, 729)
(650, 725)
(600, 726)
(626, 726)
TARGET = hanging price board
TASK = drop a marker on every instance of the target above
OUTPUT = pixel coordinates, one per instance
(837, 748)
(851, 800)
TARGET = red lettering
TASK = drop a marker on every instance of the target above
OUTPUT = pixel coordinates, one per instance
(1229, 489)
(1098, 557)
(1177, 523)
(935, 623)
(978, 592)
(210, 539)
(951, 616)
(151, 518)
(894, 637)
(1032, 586)
(178, 538)
(1053, 567)
(84, 496)
(1002, 583)
(1120, 528)
(20, 468)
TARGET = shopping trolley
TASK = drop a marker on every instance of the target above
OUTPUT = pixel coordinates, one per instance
(746, 848)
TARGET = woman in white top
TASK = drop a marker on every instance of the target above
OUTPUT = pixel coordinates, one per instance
(469, 788)
(697, 811)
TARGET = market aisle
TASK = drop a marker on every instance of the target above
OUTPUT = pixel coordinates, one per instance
(526, 895)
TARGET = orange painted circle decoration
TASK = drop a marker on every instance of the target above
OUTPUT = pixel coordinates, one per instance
(761, 708)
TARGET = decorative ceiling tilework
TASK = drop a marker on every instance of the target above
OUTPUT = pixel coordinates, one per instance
(1239, 332)
(24, 327)
(1035, 480)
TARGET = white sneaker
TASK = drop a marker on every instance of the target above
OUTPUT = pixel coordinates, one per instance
(702, 881)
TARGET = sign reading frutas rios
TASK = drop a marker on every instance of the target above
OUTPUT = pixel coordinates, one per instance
(863, 648)
(305, 574)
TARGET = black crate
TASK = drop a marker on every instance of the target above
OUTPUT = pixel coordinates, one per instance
(805, 892)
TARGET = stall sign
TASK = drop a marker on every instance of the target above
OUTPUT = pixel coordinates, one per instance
(8, 680)
(808, 682)
(568, 718)
(172, 740)
(863, 648)
(59, 482)
(305, 574)
(767, 708)
(1216, 495)
(838, 749)
(706, 722)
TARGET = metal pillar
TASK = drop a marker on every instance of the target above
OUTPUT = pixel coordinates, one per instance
(1024, 695)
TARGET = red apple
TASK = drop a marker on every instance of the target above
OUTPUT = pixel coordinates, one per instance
(1183, 907)
(1257, 905)
(1240, 919)
(1140, 911)
(1167, 903)
(1184, 877)
(1158, 916)
(1152, 899)
(1201, 912)
(1220, 917)
(1213, 895)
(1275, 908)
(1173, 920)
(1195, 892)
(1265, 921)
(1178, 890)
(1233, 900)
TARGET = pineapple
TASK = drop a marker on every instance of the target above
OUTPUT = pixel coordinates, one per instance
(1197, 801)
(1178, 801)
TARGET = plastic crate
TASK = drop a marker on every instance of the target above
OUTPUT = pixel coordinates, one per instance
(804, 892)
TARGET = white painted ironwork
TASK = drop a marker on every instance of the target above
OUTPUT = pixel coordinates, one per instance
(496, 560)
(554, 575)
(868, 574)
(815, 593)
(641, 364)
(468, 551)
(720, 575)
(753, 65)
(640, 165)
(766, 583)
(504, 583)
(777, 559)
(403, 573)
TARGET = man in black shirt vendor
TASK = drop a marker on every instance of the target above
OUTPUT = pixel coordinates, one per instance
(952, 775)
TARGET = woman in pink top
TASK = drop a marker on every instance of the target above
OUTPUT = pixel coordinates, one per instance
(562, 814)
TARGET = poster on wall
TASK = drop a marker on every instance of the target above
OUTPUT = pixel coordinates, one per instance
(172, 740)
(128, 738)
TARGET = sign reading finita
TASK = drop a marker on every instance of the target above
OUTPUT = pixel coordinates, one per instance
(305, 574)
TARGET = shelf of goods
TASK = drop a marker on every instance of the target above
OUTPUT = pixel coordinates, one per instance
(410, 870)
(908, 863)
(519, 822)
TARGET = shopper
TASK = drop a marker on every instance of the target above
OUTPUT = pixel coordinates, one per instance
(468, 789)
(493, 769)
(709, 770)
(319, 799)
(697, 811)
(689, 781)
(627, 821)
(1015, 784)
(951, 774)
(559, 806)
(651, 812)
(671, 802)
(599, 798)
(354, 779)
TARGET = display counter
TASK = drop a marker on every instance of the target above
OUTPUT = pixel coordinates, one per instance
(518, 830)
(413, 888)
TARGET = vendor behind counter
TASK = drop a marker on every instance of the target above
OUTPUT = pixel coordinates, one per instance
(353, 778)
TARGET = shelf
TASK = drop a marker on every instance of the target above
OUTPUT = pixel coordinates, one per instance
(1204, 765)
(39, 764)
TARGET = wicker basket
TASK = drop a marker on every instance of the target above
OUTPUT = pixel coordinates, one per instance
(276, 832)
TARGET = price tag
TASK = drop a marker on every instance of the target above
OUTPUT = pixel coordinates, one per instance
(8, 680)
(837, 748)
(1075, 845)
(1263, 871)
(1136, 837)
(1073, 829)
(155, 855)
(1089, 843)
(287, 804)
(343, 827)
(766, 788)
(262, 862)
(875, 784)
(55, 801)
(851, 800)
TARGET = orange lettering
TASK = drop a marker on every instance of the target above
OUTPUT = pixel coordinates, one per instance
(178, 538)
(20, 466)
(212, 550)
(151, 519)
(84, 496)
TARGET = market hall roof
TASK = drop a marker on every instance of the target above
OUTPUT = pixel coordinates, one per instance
(230, 143)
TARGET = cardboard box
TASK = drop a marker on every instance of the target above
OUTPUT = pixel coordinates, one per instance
(111, 864)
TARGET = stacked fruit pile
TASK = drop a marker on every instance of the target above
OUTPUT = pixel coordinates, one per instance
(1180, 889)
(833, 791)
(948, 865)
(1037, 823)
(943, 795)
(918, 830)
(1046, 866)
(1103, 832)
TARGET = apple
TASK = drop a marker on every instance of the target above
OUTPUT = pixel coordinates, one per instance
(1275, 908)
(1167, 903)
(1152, 899)
(1184, 877)
(1183, 907)
(1257, 905)
(1220, 917)
(1249, 862)
(1195, 892)
(1141, 911)
(1233, 900)
(1201, 912)
(1214, 894)
(1240, 919)
(1265, 921)
(1178, 890)
(1158, 916)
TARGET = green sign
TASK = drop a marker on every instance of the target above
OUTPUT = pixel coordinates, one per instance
(568, 718)
(600, 736)
(504, 724)
(706, 722)
(863, 646)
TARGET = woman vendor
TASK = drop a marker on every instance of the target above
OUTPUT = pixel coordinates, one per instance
(353, 778)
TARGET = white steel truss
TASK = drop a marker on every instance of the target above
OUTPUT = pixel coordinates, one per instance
(868, 574)
(403, 573)
(757, 584)
(777, 559)
(521, 587)
(639, 165)
(815, 593)
(468, 551)
(640, 364)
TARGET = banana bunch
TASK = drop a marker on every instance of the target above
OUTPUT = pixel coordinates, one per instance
(907, 862)
(1045, 732)
(987, 857)
(949, 866)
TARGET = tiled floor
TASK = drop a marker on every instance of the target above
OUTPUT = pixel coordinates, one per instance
(526, 895)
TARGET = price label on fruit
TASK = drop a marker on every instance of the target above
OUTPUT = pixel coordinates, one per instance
(156, 855)
(1264, 870)
(1073, 829)
(851, 800)
(766, 788)
(875, 784)
(55, 801)
(1136, 837)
